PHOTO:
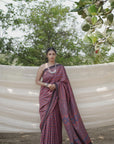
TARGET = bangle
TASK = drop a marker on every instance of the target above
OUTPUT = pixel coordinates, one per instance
(46, 84)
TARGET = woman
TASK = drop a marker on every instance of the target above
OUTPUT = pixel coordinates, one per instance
(57, 105)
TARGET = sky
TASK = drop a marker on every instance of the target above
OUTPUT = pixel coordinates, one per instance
(64, 3)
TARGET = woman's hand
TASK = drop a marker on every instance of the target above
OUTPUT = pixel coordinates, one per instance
(51, 86)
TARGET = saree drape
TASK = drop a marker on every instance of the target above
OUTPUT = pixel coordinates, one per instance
(59, 106)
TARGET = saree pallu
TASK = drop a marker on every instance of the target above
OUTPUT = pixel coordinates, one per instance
(57, 106)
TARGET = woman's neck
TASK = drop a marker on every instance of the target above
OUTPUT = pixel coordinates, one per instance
(51, 63)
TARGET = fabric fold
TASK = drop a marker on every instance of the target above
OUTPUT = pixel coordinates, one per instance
(70, 113)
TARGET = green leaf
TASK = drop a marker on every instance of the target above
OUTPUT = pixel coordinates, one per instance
(110, 18)
(75, 10)
(99, 34)
(112, 5)
(94, 20)
(85, 26)
(92, 10)
(99, 9)
(109, 31)
(110, 40)
(93, 38)
(87, 39)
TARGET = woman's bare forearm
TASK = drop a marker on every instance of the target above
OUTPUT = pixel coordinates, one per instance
(40, 83)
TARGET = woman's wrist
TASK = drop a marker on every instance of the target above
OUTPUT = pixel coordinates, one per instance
(46, 84)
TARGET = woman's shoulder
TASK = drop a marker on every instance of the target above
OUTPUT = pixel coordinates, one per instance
(61, 64)
(42, 67)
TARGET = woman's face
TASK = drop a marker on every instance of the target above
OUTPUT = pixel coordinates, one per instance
(51, 55)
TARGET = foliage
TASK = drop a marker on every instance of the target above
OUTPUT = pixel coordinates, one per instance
(44, 25)
(96, 16)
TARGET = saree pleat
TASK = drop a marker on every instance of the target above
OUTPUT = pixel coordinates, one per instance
(59, 106)
(52, 130)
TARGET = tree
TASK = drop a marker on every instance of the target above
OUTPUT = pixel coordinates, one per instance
(96, 16)
(44, 25)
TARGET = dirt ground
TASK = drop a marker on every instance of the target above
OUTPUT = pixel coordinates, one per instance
(103, 135)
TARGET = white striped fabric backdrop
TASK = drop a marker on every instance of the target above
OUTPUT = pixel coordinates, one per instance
(93, 87)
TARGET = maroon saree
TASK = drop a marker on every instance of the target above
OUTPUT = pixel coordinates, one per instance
(59, 106)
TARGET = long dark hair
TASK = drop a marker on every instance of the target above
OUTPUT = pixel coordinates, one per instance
(48, 49)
